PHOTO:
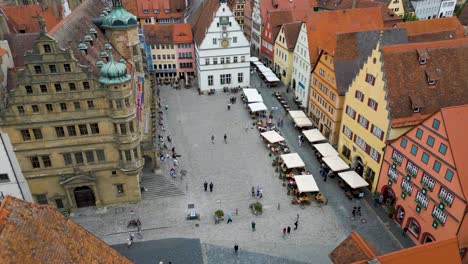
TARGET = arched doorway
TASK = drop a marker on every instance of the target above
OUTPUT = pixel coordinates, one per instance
(359, 169)
(427, 238)
(400, 215)
(84, 196)
(388, 196)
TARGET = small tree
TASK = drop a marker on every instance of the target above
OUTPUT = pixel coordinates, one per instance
(219, 213)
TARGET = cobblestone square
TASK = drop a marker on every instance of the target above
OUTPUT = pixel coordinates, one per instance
(234, 168)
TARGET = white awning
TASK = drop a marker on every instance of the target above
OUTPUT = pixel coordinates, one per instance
(303, 122)
(326, 150)
(306, 183)
(272, 78)
(267, 74)
(335, 163)
(256, 107)
(253, 59)
(263, 69)
(257, 63)
(292, 160)
(313, 135)
(252, 95)
(353, 179)
(272, 136)
(297, 113)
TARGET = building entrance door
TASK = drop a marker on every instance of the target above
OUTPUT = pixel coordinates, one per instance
(84, 196)
(359, 166)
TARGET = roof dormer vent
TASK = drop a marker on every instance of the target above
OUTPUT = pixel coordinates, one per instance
(423, 56)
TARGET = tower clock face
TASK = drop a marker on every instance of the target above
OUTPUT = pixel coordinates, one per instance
(224, 34)
(225, 43)
(224, 21)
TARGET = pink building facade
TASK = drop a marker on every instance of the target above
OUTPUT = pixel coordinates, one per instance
(424, 177)
(185, 51)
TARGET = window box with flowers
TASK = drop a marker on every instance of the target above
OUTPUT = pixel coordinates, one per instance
(445, 197)
(396, 161)
(439, 215)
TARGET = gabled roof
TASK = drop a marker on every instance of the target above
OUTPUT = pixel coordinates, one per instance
(433, 29)
(201, 19)
(295, 5)
(19, 44)
(353, 248)
(445, 62)
(70, 32)
(455, 120)
(353, 49)
(277, 19)
(346, 4)
(41, 234)
(445, 251)
(321, 33)
(22, 17)
(158, 33)
(291, 32)
(166, 8)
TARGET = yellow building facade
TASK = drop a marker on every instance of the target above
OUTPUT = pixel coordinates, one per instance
(365, 121)
(164, 61)
(284, 50)
(325, 105)
(397, 7)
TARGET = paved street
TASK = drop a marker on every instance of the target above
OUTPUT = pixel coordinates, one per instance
(234, 168)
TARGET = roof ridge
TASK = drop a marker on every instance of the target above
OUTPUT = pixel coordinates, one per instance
(67, 18)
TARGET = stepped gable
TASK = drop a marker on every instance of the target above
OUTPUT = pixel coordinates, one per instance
(41, 234)
(353, 49)
(422, 78)
(70, 32)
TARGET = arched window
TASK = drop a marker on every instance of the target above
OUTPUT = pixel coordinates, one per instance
(414, 227)
(427, 238)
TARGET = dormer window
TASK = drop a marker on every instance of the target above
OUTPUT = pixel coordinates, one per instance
(431, 76)
(423, 56)
(422, 61)
(431, 82)
(416, 109)
(156, 11)
(145, 11)
(167, 11)
(416, 103)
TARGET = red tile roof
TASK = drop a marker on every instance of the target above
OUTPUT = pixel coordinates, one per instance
(322, 33)
(445, 251)
(455, 120)
(294, 5)
(433, 29)
(407, 81)
(175, 8)
(131, 6)
(201, 19)
(182, 33)
(353, 248)
(291, 32)
(21, 17)
(32, 233)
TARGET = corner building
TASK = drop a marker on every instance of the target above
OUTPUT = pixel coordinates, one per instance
(72, 112)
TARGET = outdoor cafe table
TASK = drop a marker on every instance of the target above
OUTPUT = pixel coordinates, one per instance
(313, 135)
(292, 160)
(335, 163)
(326, 150)
(272, 136)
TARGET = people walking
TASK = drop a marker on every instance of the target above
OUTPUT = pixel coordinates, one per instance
(296, 224)
(166, 107)
(354, 211)
(229, 218)
(358, 212)
(253, 225)
(289, 230)
(176, 162)
(261, 193)
(284, 232)
(225, 138)
(236, 248)
(281, 122)
(229, 106)
(253, 191)
(205, 185)
(172, 172)
(258, 191)
(403, 233)
(212, 139)
(211, 186)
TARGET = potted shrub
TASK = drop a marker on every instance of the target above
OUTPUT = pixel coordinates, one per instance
(391, 211)
(219, 213)
(256, 208)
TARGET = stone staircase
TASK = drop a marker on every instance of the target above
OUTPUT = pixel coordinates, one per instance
(159, 186)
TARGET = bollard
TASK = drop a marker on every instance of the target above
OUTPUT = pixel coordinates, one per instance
(278, 206)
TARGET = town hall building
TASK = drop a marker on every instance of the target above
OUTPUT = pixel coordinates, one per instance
(222, 50)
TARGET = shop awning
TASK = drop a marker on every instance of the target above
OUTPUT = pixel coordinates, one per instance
(326, 150)
(257, 63)
(313, 135)
(272, 136)
(292, 160)
(303, 122)
(272, 78)
(353, 179)
(335, 163)
(253, 59)
(297, 113)
(252, 95)
(306, 183)
(256, 107)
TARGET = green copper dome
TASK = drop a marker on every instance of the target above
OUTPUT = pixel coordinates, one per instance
(113, 72)
(119, 18)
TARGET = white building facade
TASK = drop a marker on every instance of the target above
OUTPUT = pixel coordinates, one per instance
(223, 56)
(301, 74)
(429, 9)
(12, 181)
(256, 37)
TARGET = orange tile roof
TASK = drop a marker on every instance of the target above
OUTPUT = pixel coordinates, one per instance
(353, 248)
(322, 34)
(201, 19)
(294, 5)
(131, 6)
(175, 7)
(39, 233)
(182, 33)
(21, 17)
(445, 251)
(291, 32)
(456, 125)
(433, 29)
